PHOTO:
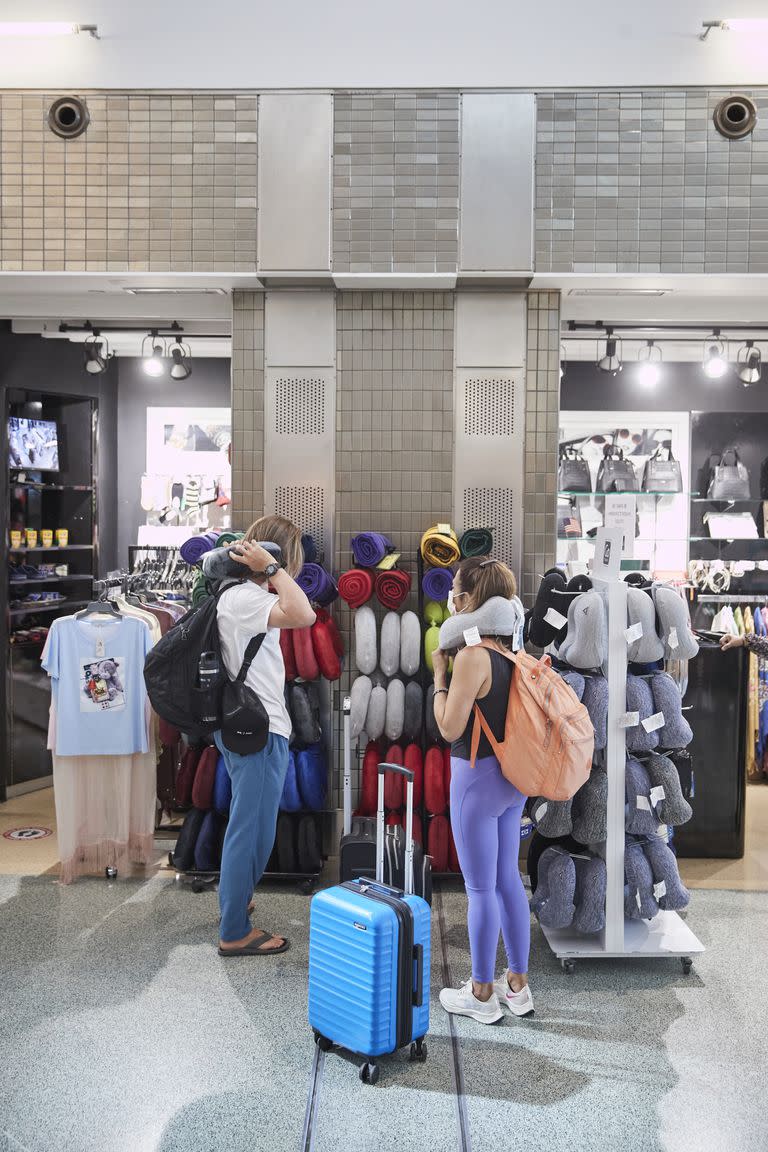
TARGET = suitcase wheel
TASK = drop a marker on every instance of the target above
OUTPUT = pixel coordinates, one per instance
(418, 1052)
(369, 1073)
(323, 1043)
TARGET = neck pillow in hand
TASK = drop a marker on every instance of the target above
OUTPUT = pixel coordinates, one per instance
(590, 809)
(312, 776)
(410, 644)
(641, 820)
(553, 899)
(589, 898)
(640, 610)
(677, 732)
(389, 658)
(551, 817)
(673, 809)
(674, 622)
(360, 698)
(414, 708)
(586, 641)
(640, 700)
(639, 877)
(497, 617)
(595, 700)
(366, 657)
(674, 895)
(395, 717)
(219, 565)
(290, 800)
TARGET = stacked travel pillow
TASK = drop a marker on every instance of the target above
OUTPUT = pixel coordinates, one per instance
(570, 891)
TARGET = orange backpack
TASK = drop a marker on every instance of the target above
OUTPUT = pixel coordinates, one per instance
(548, 735)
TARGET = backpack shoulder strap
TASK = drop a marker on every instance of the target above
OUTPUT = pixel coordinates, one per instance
(480, 721)
(254, 644)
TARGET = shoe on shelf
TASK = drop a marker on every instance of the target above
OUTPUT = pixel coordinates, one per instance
(463, 1002)
(519, 1003)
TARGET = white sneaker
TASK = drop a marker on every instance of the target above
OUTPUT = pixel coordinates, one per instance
(519, 1003)
(463, 1002)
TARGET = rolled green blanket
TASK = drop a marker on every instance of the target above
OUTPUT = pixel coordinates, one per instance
(199, 591)
(228, 538)
(476, 542)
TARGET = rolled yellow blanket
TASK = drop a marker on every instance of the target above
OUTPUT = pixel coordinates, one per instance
(440, 546)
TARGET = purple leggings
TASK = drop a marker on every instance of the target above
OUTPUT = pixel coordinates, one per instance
(485, 817)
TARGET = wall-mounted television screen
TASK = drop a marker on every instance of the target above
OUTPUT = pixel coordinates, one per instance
(33, 444)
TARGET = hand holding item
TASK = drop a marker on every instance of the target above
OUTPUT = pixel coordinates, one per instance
(252, 555)
(728, 641)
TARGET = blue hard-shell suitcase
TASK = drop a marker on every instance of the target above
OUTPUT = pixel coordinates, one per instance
(369, 959)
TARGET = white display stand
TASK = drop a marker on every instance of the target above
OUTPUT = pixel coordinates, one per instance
(666, 934)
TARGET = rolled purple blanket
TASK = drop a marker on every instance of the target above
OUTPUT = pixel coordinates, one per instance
(318, 585)
(193, 550)
(437, 583)
(370, 548)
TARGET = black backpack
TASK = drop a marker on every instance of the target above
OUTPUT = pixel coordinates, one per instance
(171, 670)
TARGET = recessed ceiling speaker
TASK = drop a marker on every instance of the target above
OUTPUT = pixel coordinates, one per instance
(735, 117)
(68, 117)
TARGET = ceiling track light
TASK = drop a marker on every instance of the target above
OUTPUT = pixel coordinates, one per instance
(715, 362)
(35, 29)
(153, 352)
(96, 353)
(749, 364)
(611, 361)
(649, 364)
(181, 355)
(748, 24)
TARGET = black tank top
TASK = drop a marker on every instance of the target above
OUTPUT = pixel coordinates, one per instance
(493, 707)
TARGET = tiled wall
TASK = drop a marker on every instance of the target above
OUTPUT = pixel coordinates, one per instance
(642, 182)
(156, 182)
(247, 407)
(396, 182)
(542, 410)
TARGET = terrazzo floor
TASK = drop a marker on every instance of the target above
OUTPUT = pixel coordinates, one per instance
(121, 1030)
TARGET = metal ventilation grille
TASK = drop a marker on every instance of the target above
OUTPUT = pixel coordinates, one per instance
(489, 406)
(305, 507)
(494, 508)
(300, 405)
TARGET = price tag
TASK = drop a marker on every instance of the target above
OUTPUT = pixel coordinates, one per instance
(555, 618)
(673, 641)
(634, 633)
(444, 529)
(658, 794)
(642, 803)
(472, 637)
(541, 812)
(660, 889)
(629, 720)
(653, 723)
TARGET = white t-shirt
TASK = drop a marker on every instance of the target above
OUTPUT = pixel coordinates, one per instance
(242, 613)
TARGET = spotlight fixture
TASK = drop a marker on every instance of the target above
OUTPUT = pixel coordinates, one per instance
(611, 361)
(750, 364)
(181, 354)
(34, 29)
(153, 359)
(96, 354)
(715, 364)
(649, 365)
(749, 25)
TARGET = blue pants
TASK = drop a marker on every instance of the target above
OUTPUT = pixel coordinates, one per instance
(485, 817)
(257, 785)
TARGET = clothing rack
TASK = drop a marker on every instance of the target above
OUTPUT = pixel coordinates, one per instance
(728, 598)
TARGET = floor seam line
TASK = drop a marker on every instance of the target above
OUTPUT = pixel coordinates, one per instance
(313, 1101)
(457, 1065)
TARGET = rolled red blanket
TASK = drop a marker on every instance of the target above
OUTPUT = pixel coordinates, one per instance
(356, 586)
(392, 588)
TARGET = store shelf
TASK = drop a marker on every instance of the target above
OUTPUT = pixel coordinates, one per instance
(37, 487)
(36, 609)
(48, 580)
(602, 495)
(53, 548)
(665, 935)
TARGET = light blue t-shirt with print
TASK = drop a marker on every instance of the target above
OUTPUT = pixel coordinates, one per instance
(97, 673)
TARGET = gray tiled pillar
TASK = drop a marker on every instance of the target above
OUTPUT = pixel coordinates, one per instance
(542, 412)
(247, 407)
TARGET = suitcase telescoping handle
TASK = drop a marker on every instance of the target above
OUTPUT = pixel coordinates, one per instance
(406, 772)
(346, 709)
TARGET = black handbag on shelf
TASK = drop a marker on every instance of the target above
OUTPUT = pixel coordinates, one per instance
(729, 479)
(615, 474)
(573, 473)
(663, 475)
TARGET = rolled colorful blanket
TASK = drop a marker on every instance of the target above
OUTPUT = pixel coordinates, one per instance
(228, 538)
(356, 587)
(476, 542)
(392, 588)
(199, 590)
(437, 583)
(318, 585)
(193, 550)
(370, 548)
(440, 546)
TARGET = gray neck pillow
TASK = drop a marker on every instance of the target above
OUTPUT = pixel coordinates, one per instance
(590, 809)
(497, 617)
(551, 817)
(360, 698)
(663, 865)
(365, 640)
(395, 719)
(674, 617)
(305, 713)
(433, 732)
(377, 713)
(414, 707)
(390, 644)
(673, 809)
(586, 641)
(553, 899)
(640, 700)
(589, 898)
(639, 877)
(575, 680)
(640, 610)
(677, 732)
(595, 699)
(410, 644)
(641, 820)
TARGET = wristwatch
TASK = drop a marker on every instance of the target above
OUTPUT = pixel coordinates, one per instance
(270, 570)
